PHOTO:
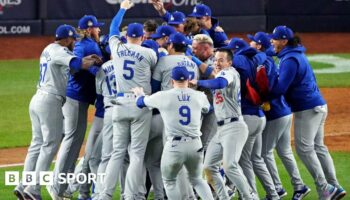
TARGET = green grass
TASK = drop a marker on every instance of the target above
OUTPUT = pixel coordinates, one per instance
(17, 85)
(18, 81)
(341, 160)
(320, 65)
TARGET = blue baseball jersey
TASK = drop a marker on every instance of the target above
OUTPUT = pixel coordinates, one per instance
(246, 68)
(296, 80)
(81, 85)
(219, 38)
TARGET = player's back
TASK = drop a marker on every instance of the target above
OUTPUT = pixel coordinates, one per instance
(105, 83)
(162, 71)
(181, 111)
(132, 65)
(227, 101)
(54, 69)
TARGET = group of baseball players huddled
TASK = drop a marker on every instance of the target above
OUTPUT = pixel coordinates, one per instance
(180, 110)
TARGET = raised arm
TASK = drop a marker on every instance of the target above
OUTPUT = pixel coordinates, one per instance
(118, 18)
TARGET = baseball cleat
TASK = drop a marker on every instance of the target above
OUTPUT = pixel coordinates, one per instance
(300, 194)
(19, 194)
(339, 194)
(329, 192)
(282, 193)
(30, 196)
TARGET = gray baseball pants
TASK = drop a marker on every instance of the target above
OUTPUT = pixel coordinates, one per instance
(187, 152)
(277, 135)
(227, 145)
(92, 157)
(45, 112)
(131, 125)
(251, 160)
(154, 154)
(75, 122)
(310, 147)
(208, 128)
(107, 148)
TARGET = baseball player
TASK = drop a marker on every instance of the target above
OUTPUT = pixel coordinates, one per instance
(205, 20)
(232, 131)
(296, 79)
(176, 19)
(149, 28)
(181, 109)
(251, 160)
(277, 131)
(162, 37)
(131, 125)
(161, 80)
(81, 93)
(45, 109)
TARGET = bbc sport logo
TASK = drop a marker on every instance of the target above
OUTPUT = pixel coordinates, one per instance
(47, 178)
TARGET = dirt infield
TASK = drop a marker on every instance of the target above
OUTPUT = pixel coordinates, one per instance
(337, 127)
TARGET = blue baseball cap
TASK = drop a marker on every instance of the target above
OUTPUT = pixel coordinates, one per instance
(66, 31)
(180, 73)
(177, 18)
(200, 10)
(282, 33)
(261, 38)
(236, 44)
(135, 30)
(152, 45)
(89, 21)
(163, 31)
(178, 38)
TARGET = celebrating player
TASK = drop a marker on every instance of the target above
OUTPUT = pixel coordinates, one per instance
(225, 145)
(181, 109)
(45, 109)
(298, 84)
(131, 125)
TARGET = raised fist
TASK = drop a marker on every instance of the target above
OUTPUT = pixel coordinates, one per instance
(126, 4)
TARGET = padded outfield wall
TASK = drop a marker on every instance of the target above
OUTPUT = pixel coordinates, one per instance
(41, 17)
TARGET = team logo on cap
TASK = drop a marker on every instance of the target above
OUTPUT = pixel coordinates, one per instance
(237, 47)
(70, 33)
(171, 18)
(90, 23)
(134, 35)
(195, 10)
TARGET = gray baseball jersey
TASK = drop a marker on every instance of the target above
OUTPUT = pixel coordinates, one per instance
(105, 83)
(227, 101)
(132, 65)
(54, 69)
(182, 102)
(162, 71)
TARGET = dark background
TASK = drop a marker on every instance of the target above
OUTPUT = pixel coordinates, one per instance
(43, 16)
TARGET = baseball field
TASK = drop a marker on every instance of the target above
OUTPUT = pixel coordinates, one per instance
(328, 53)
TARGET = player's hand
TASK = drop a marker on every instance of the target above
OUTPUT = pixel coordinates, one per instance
(126, 4)
(193, 82)
(138, 91)
(97, 59)
(159, 6)
(219, 29)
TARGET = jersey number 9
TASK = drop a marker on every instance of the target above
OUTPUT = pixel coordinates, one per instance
(127, 67)
(185, 112)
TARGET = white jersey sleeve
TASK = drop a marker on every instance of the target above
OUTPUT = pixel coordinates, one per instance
(205, 103)
(154, 101)
(226, 74)
(100, 76)
(63, 56)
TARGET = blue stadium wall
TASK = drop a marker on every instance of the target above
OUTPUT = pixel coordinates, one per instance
(41, 17)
